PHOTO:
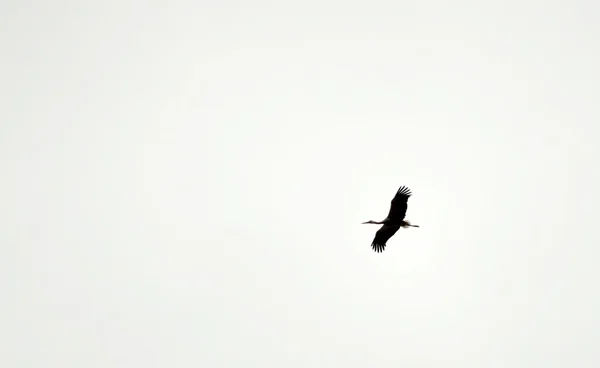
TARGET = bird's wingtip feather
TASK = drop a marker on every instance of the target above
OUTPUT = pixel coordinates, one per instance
(378, 248)
(404, 191)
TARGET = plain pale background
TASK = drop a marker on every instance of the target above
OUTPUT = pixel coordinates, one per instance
(183, 184)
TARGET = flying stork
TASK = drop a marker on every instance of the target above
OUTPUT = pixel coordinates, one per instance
(394, 220)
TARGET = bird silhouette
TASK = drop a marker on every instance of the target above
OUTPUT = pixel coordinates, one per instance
(394, 220)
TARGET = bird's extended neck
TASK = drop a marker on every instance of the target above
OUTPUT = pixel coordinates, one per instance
(404, 224)
(375, 222)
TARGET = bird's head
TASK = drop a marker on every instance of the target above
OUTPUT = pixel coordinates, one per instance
(370, 222)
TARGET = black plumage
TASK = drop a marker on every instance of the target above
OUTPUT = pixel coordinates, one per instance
(394, 220)
(382, 236)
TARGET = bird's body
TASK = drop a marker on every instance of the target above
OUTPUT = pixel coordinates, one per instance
(394, 220)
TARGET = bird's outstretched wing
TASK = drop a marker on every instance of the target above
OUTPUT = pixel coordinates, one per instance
(382, 235)
(399, 204)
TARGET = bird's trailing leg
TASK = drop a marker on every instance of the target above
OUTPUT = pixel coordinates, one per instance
(406, 224)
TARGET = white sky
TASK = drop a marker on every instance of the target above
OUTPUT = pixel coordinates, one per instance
(183, 184)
